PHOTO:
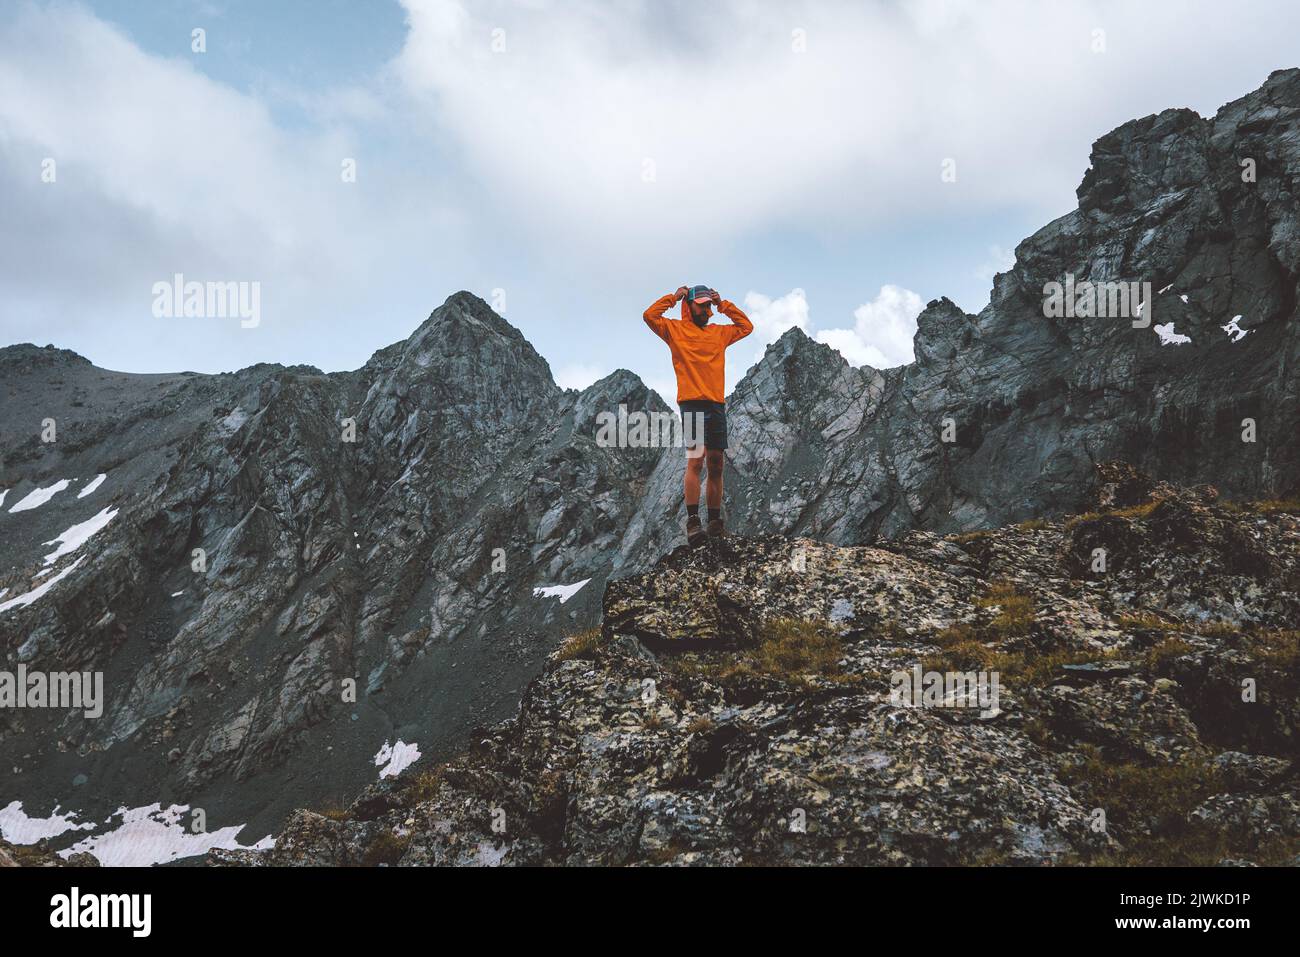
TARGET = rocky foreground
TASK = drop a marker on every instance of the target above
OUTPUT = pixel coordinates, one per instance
(738, 705)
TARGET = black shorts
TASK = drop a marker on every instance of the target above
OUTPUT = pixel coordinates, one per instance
(711, 415)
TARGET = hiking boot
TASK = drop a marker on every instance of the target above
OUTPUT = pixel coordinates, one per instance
(694, 531)
(715, 528)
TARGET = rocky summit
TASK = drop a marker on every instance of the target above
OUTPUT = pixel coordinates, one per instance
(294, 582)
(787, 701)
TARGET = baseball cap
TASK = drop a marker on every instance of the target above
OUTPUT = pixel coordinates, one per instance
(700, 294)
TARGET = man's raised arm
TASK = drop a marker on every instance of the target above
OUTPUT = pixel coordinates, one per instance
(654, 314)
(740, 324)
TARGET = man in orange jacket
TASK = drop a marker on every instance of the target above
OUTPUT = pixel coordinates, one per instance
(699, 358)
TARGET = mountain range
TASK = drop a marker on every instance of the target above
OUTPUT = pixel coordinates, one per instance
(294, 581)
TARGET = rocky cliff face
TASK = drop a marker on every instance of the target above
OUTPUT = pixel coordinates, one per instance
(383, 529)
(749, 703)
(282, 571)
(846, 455)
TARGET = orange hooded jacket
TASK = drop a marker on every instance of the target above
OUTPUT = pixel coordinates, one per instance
(699, 353)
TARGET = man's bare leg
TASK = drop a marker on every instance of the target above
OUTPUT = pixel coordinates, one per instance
(694, 473)
(715, 459)
(713, 493)
(691, 489)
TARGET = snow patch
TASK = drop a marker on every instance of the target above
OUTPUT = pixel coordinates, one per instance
(1234, 331)
(1161, 292)
(396, 759)
(17, 828)
(562, 592)
(77, 535)
(38, 497)
(1183, 298)
(28, 597)
(93, 484)
(1168, 337)
(152, 835)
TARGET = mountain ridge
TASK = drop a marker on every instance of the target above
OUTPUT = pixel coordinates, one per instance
(408, 558)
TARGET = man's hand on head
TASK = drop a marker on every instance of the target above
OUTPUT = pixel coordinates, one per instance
(717, 300)
(681, 292)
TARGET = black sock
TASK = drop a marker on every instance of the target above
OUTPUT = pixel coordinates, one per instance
(693, 511)
(715, 515)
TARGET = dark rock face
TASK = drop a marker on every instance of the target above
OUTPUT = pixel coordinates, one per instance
(406, 561)
(763, 727)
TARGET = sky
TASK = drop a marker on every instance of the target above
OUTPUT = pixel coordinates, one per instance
(826, 165)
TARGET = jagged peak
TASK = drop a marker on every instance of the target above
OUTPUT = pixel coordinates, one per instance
(620, 387)
(796, 346)
(463, 317)
(1129, 165)
(465, 307)
(620, 382)
(1283, 83)
(794, 337)
(794, 353)
(460, 310)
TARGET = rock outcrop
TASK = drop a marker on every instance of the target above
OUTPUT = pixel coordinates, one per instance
(39, 855)
(746, 703)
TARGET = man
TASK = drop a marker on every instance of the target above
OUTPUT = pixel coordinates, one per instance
(699, 359)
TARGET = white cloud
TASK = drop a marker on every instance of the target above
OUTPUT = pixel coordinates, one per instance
(882, 331)
(583, 108)
(161, 169)
(578, 375)
(108, 112)
(773, 317)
